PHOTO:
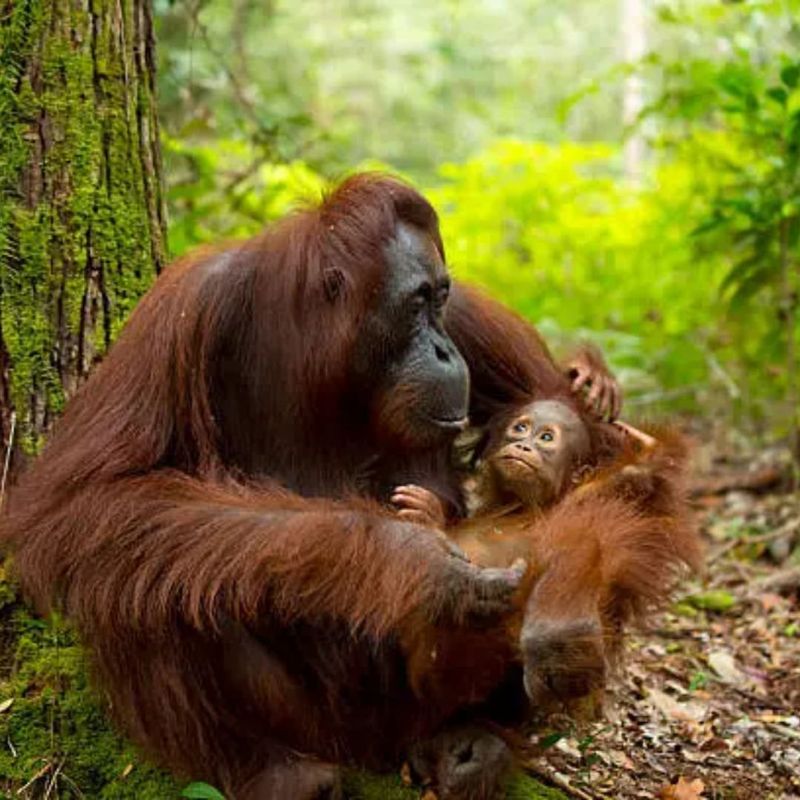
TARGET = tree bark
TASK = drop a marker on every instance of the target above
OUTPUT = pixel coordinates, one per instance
(82, 220)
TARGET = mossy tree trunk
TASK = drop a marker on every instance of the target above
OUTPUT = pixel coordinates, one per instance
(82, 225)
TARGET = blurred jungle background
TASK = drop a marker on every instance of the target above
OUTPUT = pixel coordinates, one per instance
(624, 171)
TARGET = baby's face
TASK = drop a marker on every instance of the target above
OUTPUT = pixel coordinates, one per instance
(534, 455)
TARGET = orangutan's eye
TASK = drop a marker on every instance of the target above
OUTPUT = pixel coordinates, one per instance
(519, 427)
(547, 436)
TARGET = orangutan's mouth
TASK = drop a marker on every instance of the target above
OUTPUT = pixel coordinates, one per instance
(455, 425)
(520, 460)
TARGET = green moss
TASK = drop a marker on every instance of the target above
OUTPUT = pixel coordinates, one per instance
(81, 227)
(523, 787)
(362, 786)
(55, 728)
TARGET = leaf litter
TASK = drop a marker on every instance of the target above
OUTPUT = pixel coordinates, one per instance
(706, 704)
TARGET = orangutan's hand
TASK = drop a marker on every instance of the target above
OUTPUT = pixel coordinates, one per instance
(588, 371)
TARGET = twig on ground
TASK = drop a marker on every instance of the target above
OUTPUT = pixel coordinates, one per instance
(553, 777)
(783, 581)
(759, 480)
(763, 538)
(43, 771)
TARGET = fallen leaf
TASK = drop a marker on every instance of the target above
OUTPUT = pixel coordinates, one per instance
(621, 759)
(724, 664)
(770, 601)
(673, 709)
(569, 748)
(714, 745)
(683, 790)
(715, 600)
(6, 704)
(405, 774)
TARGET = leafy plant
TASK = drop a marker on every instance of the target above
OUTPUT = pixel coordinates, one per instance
(744, 113)
(202, 791)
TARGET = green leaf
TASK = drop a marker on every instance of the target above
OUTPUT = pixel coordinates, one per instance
(778, 94)
(740, 271)
(790, 75)
(684, 609)
(202, 791)
(738, 82)
(752, 285)
(698, 681)
(551, 739)
(714, 600)
(712, 223)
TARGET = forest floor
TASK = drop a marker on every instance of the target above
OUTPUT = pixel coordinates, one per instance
(707, 703)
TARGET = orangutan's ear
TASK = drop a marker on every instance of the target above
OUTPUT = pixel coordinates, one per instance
(334, 283)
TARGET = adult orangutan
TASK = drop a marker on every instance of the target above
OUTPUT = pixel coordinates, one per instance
(202, 510)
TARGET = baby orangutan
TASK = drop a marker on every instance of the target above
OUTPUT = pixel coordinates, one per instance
(529, 461)
(596, 510)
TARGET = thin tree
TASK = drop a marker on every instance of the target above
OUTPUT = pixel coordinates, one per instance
(634, 44)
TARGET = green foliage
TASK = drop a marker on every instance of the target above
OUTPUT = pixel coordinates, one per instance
(555, 233)
(699, 680)
(228, 190)
(688, 281)
(338, 83)
(742, 102)
(363, 786)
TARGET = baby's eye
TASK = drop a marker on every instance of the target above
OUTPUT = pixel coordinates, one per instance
(547, 436)
(520, 427)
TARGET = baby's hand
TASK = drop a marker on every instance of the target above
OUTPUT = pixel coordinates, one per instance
(419, 505)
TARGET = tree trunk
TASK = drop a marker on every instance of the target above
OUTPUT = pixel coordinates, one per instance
(634, 43)
(82, 223)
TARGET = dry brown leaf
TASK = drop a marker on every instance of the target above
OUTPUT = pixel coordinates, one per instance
(405, 774)
(684, 790)
(724, 664)
(430, 795)
(769, 601)
(621, 759)
(675, 710)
